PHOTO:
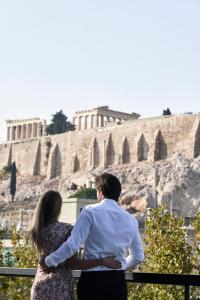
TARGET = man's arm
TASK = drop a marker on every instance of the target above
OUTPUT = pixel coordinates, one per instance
(82, 264)
(136, 255)
(78, 236)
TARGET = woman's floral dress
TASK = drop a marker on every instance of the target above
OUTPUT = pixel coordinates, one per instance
(55, 284)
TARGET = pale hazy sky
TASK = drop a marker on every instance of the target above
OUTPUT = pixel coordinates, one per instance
(133, 55)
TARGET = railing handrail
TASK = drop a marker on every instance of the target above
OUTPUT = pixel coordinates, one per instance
(159, 278)
(136, 277)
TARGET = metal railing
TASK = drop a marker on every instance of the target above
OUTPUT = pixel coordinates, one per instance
(134, 277)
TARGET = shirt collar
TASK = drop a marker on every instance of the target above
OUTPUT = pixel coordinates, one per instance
(110, 202)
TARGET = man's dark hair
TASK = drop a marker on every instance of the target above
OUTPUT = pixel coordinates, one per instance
(109, 185)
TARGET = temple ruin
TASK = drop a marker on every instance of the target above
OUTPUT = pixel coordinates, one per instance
(25, 129)
(100, 117)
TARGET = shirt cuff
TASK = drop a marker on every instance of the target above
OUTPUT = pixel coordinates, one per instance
(49, 261)
(129, 262)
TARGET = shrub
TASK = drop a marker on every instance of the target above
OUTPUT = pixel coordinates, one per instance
(7, 169)
(85, 193)
(23, 256)
(166, 251)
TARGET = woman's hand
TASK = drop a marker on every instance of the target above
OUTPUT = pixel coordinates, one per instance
(111, 263)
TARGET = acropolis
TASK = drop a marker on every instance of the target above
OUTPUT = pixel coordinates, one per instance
(94, 118)
(146, 153)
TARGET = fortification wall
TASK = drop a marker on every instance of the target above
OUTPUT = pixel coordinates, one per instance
(4, 155)
(135, 140)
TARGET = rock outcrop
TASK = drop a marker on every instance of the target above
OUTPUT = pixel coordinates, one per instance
(174, 181)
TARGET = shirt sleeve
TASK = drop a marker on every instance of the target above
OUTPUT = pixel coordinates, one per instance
(78, 237)
(136, 255)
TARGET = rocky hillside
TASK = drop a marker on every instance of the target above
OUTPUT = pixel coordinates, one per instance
(174, 181)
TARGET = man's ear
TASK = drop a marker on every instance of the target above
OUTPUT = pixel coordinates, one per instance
(100, 196)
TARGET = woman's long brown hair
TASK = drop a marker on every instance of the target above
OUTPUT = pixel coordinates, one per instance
(47, 212)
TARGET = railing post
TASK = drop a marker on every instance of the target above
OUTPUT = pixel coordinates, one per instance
(187, 292)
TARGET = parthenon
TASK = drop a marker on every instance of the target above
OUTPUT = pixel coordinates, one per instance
(25, 129)
(99, 117)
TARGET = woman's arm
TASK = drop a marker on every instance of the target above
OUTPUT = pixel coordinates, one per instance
(82, 264)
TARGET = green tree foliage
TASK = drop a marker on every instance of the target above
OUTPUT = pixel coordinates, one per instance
(196, 225)
(166, 112)
(196, 254)
(5, 172)
(59, 124)
(3, 282)
(1, 251)
(166, 251)
(13, 180)
(6, 260)
(85, 193)
(7, 169)
(23, 256)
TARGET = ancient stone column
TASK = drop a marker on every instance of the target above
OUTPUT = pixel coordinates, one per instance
(79, 123)
(24, 131)
(44, 128)
(13, 133)
(34, 129)
(96, 121)
(8, 133)
(29, 134)
(85, 122)
(101, 122)
(91, 121)
(18, 132)
(38, 129)
(82, 122)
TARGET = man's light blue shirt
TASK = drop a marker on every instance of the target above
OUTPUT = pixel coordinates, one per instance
(104, 229)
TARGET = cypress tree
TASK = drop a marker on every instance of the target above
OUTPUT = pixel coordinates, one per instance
(13, 180)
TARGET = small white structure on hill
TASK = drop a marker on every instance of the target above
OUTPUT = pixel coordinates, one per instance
(72, 207)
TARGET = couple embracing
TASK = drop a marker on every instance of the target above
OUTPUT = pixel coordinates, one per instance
(105, 230)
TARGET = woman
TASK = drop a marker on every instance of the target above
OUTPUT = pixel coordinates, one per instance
(47, 234)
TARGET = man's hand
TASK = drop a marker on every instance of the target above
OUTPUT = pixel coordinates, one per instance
(111, 263)
(44, 267)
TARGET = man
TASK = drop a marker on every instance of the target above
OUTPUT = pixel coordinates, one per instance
(105, 229)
